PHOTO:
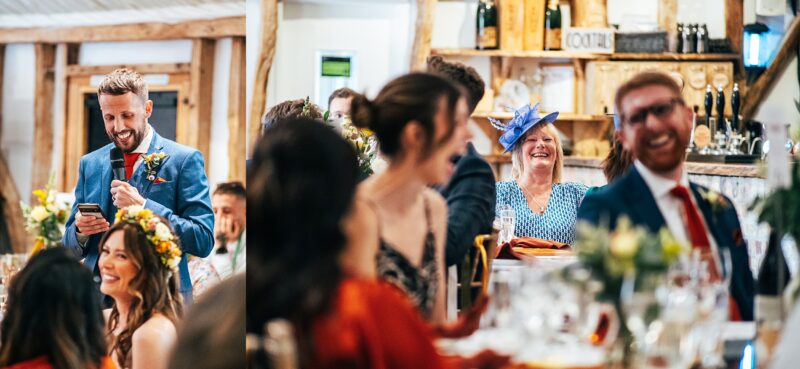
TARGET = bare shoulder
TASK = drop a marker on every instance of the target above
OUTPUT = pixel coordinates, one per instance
(437, 203)
(157, 329)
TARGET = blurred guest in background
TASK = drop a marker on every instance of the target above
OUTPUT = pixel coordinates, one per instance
(138, 260)
(290, 109)
(296, 275)
(53, 317)
(420, 121)
(544, 207)
(339, 103)
(229, 203)
(470, 192)
(214, 324)
(656, 192)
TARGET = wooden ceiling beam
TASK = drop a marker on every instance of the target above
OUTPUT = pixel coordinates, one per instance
(91, 70)
(763, 86)
(213, 28)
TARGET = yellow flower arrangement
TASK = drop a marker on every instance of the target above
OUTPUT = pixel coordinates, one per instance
(159, 235)
(47, 219)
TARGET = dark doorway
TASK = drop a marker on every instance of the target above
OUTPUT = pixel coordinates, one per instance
(163, 119)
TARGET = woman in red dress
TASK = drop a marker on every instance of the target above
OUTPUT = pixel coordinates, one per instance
(53, 317)
(301, 186)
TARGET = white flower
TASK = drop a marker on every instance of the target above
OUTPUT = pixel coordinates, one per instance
(162, 232)
(173, 262)
(624, 244)
(39, 213)
(135, 209)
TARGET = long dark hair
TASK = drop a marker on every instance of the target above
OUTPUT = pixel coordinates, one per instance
(411, 97)
(301, 183)
(617, 162)
(154, 289)
(54, 311)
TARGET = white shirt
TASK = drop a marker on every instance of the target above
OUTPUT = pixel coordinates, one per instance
(671, 207)
(223, 263)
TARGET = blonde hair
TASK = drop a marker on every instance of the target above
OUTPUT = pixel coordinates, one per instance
(516, 154)
(122, 81)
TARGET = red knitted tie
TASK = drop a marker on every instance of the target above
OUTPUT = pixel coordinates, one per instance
(130, 160)
(697, 232)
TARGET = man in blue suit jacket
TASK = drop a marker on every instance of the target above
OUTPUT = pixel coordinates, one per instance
(656, 126)
(176, 189)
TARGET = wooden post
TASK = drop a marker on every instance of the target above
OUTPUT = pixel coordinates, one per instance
(269, 36)
(761, 89)
(423, 31)
(237, 124)
(201, 90)
(67, 56)
(667, 20)
(43, 116)
(734, 24)
(2, 60)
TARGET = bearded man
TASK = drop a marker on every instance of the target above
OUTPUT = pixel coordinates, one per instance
(656, 192)
(160, 175)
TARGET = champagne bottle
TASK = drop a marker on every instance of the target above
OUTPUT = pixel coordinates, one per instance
(487, 37)
(552, 26)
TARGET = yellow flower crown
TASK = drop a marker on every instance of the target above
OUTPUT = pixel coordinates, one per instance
(156, 232)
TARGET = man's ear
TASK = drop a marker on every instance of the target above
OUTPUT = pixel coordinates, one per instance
(148, 108)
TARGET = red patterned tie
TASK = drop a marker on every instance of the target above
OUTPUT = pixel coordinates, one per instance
(130, 160)
(697, 232)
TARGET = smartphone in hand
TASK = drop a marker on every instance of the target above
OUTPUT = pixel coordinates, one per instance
(90, 209)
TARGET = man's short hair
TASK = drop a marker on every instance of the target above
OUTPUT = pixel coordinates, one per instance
(289, 109)
(235, 188)
(342, 93)
(462, 74)
(122, 81)
(643, 80)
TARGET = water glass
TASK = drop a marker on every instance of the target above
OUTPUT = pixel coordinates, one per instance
(507, 218)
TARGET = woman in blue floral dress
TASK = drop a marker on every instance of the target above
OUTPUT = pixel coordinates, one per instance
(544, 206)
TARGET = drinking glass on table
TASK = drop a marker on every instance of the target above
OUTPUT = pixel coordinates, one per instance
(507, 217)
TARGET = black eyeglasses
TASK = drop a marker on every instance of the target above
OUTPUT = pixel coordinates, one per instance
(659, 110)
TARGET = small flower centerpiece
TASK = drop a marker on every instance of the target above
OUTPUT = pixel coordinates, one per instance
(47, 219)
(627, 251)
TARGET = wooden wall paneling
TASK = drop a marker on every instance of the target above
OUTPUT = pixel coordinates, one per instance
(68, 55)
(74, 130)
(237, 124)
(200, 96)
(258, 101)
(167, 68)
(589, 13)
(423, 31)
(762, 87)
(578, 65)
(43, 115)
(207, 28)
(2, 61)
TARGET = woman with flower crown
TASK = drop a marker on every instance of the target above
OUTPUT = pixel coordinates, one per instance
(544, 206)
(138, 263)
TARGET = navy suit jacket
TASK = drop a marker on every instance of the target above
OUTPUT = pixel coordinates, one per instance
(470, 195)
(182, 199)
(630, 196)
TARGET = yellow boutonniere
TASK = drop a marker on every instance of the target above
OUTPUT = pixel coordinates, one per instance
(715, 199)
(151, 164)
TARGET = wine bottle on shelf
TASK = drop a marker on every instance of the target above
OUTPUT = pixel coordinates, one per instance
(487, 31)
(702, 40)
(552, 26)
(679, 38)
(773, 276)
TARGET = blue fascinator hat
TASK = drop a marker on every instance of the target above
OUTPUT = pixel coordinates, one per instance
(524, 119)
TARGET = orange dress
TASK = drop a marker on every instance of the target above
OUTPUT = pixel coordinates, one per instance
(372, 325)
(41, 362)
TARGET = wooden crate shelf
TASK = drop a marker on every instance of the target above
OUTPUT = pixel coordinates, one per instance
(585, 56)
